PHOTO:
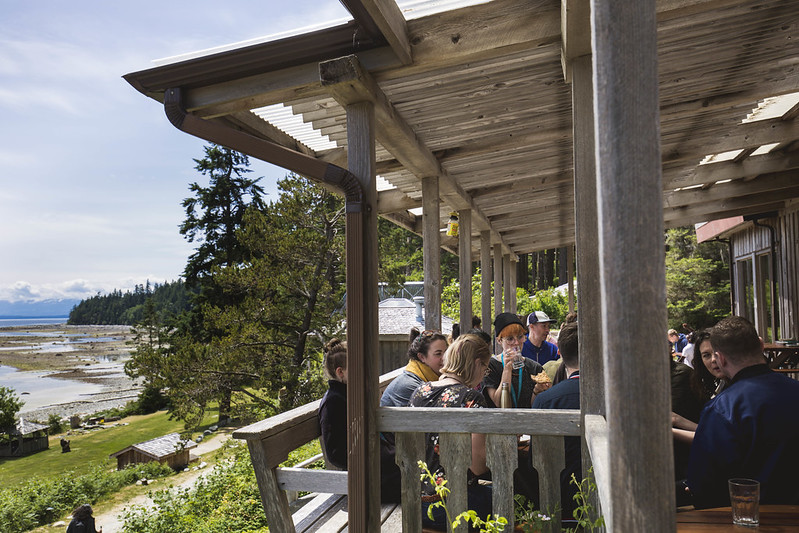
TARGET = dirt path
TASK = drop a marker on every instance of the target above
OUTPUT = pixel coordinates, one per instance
(110, 519)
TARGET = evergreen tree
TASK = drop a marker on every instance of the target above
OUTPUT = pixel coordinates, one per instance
(254, 338)
(10, 404)
(215, 212)
(697, 280)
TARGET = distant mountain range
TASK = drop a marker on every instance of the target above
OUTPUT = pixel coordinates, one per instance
(37, 309)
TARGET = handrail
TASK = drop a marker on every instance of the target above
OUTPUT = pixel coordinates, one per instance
(272, 439)
(596, 436)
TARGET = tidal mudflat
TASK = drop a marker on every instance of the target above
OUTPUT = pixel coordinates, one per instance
(66, 370)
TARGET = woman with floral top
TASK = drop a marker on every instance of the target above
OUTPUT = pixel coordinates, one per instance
(465, 365)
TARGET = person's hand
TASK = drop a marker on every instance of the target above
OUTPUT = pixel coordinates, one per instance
(511, 356)
(541, 387)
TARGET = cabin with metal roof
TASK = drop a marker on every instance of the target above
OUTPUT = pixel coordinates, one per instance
(542, 123)
(26, 438)
(169, 449)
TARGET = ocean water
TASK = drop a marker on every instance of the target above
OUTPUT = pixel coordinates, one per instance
(42, 321)
(37, 390)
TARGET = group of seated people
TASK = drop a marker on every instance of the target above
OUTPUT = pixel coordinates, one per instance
(750, 430)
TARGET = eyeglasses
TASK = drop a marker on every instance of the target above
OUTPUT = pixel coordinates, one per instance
(517, 338)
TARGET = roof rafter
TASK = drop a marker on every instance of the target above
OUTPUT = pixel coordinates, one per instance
(348, 82)
(384, 18)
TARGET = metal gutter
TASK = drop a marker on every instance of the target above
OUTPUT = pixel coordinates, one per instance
(217, 132)
(255, 59)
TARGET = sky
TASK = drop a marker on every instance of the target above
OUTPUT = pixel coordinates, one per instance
(91, 172)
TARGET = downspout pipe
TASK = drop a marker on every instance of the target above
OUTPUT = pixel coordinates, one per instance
(339, 178)
(357, 212)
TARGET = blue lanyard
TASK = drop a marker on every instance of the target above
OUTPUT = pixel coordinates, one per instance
(514, 392)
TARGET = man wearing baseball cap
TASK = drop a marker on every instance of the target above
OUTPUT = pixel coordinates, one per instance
(536, 346)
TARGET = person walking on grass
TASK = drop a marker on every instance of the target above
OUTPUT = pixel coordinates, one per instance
(83, 521)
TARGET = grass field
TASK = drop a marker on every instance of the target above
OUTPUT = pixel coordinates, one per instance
(92, 447)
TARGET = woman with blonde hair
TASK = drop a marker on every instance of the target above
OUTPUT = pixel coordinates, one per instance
(465, 364)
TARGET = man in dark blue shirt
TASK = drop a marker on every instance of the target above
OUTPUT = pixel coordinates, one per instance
(536, 346)
(566, 395)
(751, 429)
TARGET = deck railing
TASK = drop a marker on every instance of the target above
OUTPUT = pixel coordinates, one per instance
(271, 440)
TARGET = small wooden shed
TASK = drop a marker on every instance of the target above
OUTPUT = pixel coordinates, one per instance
(169, 449)
(27, 438)
(396, 317)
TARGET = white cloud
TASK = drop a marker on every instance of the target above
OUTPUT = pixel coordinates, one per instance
(93, 173)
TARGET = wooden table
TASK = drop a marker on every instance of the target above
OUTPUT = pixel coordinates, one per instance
(779, 354)
(773, 519)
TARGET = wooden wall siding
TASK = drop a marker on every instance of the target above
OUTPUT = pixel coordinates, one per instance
(393, 354)
(131, 457)
(753, 239)
(789, 274)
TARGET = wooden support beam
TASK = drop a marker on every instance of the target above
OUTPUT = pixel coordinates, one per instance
(747, 205)
(485, 281)
(348, 81)
(362, 328)
(465, 268)
(730, 170)
(507, 287)
(389, 21)
(632, 264)
(514, 263)
(745, 135)
(781, 183)
(575, 29)
(592, 397)
(497, 282)
(431, 246)
(394, 200)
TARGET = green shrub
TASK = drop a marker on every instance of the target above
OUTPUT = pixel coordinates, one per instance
(223, 500)
(551, 301)
(26, 507)
(55, 425)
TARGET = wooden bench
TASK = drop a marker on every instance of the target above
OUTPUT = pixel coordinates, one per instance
(271, 440)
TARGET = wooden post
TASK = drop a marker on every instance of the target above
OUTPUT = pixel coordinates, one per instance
(514, 265)
(592, 396)
(362, 394)
(485, 280)
(465, 268)
(497, 281)
(507, 288)
(273, 498)
(431, 246)
(570, 274)
(632, 263)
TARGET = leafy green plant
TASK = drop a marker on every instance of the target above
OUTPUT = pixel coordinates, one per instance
(529, 519)
(37, 501)
(587, 517)
(489, 525)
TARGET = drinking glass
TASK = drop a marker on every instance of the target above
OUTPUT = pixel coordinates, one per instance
(745, 501)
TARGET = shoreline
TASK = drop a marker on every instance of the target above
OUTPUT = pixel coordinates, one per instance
(85, 354)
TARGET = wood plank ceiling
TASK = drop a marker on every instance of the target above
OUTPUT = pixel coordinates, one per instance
(477, 95)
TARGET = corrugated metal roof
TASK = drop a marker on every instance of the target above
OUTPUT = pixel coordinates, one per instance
(160, 447)
(485, 95)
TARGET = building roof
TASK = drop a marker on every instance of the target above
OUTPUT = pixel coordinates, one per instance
(26, 427)
(398, 315)
(479, 95)
(161, 447)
